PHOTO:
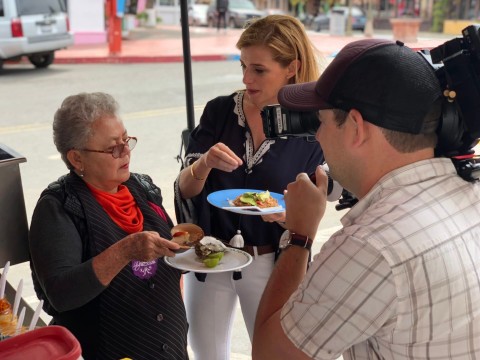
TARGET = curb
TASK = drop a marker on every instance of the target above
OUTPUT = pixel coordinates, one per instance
(111, 59)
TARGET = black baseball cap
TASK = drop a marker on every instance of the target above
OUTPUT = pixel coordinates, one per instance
(391, 85)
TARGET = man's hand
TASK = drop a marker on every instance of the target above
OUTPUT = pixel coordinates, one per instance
(306, 203)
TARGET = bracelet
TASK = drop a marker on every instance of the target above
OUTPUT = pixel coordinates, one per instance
(193, 174)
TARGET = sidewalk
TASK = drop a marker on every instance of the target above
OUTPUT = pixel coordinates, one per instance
(164, 44)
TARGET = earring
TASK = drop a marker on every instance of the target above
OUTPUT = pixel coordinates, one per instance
(81, 173)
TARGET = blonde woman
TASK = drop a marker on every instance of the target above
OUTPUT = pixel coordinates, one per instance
(228, 150)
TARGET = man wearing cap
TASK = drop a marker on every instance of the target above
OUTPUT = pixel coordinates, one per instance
(401, 279)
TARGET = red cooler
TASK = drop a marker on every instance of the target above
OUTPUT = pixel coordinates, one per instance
(45, 343)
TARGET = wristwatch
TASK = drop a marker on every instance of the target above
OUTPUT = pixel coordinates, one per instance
(290, 238)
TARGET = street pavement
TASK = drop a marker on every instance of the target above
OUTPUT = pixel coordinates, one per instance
(163, 43)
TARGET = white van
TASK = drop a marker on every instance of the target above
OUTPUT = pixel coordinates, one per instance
(33, 28)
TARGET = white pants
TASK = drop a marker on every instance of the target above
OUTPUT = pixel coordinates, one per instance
(211, 306)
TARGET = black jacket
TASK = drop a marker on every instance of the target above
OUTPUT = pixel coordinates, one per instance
(132, 317)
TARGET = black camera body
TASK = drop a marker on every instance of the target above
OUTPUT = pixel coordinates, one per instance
(279, 122)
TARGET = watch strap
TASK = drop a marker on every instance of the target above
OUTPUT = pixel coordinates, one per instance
(300, 240)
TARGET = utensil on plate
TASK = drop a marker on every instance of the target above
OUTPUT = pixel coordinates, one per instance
(18, 296)
(36, 315)
(20, 321)
(3, 279)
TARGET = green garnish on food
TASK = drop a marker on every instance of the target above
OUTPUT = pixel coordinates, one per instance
(252, 197)
(211, 262)
(217, 255)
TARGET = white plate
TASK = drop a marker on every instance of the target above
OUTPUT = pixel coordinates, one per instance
(222, 198)
(233, 259)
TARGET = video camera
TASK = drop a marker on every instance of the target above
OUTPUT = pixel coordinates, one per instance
(457, 66)
(459, 129)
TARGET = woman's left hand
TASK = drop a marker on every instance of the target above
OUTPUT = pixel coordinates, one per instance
(277, 217)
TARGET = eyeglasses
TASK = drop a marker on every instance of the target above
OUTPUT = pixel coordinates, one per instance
(117, 150)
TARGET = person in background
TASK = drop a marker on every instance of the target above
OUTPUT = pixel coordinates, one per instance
(96, 237)
(401, 279)
(228, 150)
(222, 8)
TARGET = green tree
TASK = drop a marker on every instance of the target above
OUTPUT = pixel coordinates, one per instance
(298, 6)
(440, 9)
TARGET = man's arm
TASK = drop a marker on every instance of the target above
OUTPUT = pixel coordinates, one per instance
(269, 340)
(305, 205)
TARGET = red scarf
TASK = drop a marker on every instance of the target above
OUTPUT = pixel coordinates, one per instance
(121, 207)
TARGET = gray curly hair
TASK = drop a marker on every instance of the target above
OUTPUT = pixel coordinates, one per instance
(72, 123)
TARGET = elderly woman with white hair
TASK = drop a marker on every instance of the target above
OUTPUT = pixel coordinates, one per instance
(96, 237)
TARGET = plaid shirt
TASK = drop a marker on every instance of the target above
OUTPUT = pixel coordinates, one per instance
(401, 280)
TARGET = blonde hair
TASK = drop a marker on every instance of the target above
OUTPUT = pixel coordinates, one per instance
(287, 40)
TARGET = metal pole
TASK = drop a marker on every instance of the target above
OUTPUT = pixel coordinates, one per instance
(114, 29)
(187, 64)
(349, 19)
(368, 31)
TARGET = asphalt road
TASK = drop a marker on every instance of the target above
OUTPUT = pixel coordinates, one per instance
(152, 104)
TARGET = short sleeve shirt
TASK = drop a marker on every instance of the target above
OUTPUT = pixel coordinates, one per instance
(401, 280)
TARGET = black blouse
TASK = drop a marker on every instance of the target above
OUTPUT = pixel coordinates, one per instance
(275, 164)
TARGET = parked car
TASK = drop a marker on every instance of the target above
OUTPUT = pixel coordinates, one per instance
(197, 15)
(33, 28)
(239, 12)
(322, 21)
